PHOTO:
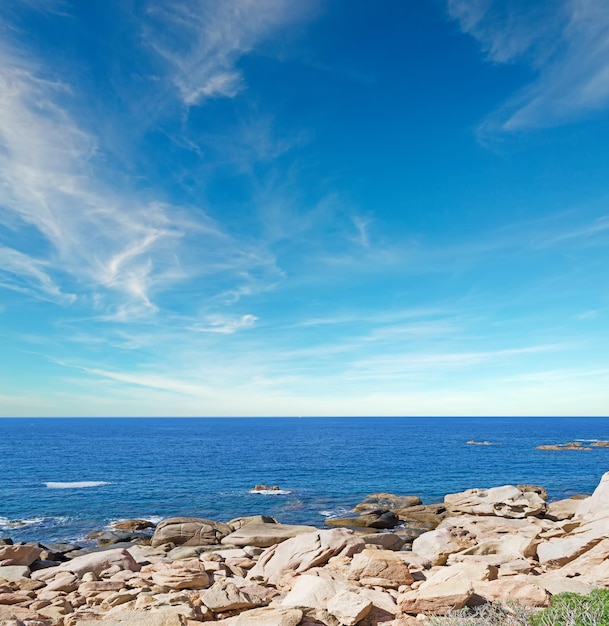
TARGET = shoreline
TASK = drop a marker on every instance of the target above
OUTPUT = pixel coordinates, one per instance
(478, 546)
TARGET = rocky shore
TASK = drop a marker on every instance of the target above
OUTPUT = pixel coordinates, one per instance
(394, 561)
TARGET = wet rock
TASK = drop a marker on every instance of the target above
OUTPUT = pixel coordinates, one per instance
(133, 524)
(239, 522)
(387, 501)
(189, 531)
(429, 514)
(387, 541)
(372, 518)
(112, 537)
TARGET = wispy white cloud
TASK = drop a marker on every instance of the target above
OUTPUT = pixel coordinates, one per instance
(202, 41)
(224, 325)
(22, 272)
(386, 367)
(565, 42)
(116, 250)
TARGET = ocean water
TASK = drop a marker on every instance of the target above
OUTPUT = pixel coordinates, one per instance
(62, 478)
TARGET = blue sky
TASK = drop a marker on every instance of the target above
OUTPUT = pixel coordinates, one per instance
(304, 207)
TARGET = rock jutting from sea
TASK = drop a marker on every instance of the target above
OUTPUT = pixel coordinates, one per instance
(483, 546)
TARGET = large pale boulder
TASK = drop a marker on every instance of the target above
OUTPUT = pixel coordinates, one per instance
(464, 570)
(264, 534)
(382, 568)
(189, 531)
(562, 509)
(340, 600)
(180, 575)
(437, 545)
(561, 550)
(95, 562)
(591, 566)
(437, 598)
(304, 552)
(523, 590)
(19, 554)
(596, 507)
(224, 595)
(507, 501)
(348, 607)
(511, 546)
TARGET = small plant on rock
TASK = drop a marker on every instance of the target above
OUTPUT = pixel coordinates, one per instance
(572, 609)
(510, 614)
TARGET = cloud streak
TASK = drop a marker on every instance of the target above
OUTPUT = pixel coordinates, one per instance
(114, 249)
(564, 42)
(201, 42)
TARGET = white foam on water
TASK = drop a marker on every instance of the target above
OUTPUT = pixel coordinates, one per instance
(155, 519)
(77, 484)
(271, 492)
(339, 512)
(6, 523)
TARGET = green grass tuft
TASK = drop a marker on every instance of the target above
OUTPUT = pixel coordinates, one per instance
(566, 609)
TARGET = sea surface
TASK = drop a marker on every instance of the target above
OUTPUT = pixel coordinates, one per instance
(62, 478)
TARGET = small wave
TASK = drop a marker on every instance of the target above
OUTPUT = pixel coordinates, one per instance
(155, 519)
(6, 523)
(339, 512)
(77, 485)
(271, 492)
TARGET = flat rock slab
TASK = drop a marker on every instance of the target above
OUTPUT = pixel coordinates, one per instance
(153, 617)
(14, 572)
(264, 535)
(267, 616)
(506, 501)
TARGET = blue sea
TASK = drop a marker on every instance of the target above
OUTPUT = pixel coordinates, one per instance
(62, 478)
